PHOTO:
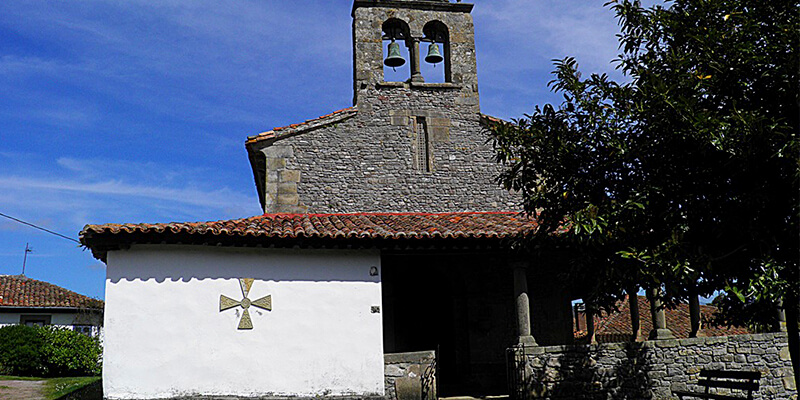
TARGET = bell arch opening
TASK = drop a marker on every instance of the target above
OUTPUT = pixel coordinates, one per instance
(397, 50)
(436, 65)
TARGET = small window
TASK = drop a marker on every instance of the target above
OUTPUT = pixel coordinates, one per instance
(34, 320)
(84, 329)
(422, 148)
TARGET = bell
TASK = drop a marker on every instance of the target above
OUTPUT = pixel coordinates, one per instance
(434, 56)
(394, 59)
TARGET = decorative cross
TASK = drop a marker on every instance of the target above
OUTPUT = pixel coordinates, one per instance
(226, 302)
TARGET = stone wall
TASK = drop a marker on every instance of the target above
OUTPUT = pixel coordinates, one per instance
(410, 376)
(650, 370)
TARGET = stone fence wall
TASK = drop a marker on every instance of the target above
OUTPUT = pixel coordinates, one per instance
(648, 370)
(410, 376)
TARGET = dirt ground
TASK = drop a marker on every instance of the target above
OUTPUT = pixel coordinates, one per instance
(21, 390)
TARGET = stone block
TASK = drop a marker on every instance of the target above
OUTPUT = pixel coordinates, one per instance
(400, 121)
(784, 354)
(408, 388)
(789, 383)
(289, 176)
(440, 134)
(667, 343)
(275, 163)
(287, 188)
(289, 199)
(439, 122)
(279, 151)
(393, 370)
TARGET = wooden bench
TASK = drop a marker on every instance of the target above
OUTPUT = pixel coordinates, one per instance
(746, 381)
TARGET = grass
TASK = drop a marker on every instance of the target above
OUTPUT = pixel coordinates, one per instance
(56, 388)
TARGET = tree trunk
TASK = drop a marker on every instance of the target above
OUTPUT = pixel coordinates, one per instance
(792, 307)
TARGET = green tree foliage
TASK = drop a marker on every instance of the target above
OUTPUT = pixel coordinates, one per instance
(48, 351)
(687, 174)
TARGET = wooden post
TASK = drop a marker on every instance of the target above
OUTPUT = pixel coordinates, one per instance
(636, 322)
(523, 306)
(660, 331)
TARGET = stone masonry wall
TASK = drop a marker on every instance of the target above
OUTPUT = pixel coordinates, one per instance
(365, 164)
(651, 370)
(410, 376)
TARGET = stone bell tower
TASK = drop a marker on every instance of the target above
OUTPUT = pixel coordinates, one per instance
(405, 145)
(416, 25)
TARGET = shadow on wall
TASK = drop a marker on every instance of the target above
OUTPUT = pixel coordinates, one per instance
(577, 374)
(178, 263)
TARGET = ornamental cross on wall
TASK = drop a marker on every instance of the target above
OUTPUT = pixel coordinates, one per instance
(226, 302)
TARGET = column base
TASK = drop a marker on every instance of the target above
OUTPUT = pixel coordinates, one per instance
(661, 334)
(526, 341)
(417, 78)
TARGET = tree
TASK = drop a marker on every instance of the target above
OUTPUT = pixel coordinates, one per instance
(686, 177)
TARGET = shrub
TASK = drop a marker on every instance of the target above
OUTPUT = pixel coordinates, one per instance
(48, 351)
(20, 351)
(69, 353)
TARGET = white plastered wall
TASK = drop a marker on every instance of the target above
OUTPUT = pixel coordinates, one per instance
(165, 336)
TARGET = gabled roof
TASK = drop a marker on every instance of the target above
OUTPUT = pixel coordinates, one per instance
(19, 291)
(358, 229)
(616, 326)
(293, 129)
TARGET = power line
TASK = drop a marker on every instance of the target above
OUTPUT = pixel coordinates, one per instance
(39, 228)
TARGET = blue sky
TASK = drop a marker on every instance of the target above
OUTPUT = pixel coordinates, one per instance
(137, 111)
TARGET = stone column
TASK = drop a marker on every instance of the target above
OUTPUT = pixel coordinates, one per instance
(660, 331)
(694, 314)
(416, 75)
(591, 332)
(636, 322)
(781, 323)
(523, 305)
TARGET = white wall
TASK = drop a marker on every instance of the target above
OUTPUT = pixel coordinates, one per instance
(165, 336)
(65, 320)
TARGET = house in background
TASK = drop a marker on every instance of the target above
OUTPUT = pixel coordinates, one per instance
(31, 302)
(616, 326)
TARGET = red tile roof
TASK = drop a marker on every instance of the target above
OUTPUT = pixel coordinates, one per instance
(283, 131)
(19, 291)
(616, 327)
(331, 228)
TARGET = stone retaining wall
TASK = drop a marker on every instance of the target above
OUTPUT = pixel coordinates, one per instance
(649, 370)
(410, 376)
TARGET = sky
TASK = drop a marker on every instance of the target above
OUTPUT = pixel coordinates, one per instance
(137, 111)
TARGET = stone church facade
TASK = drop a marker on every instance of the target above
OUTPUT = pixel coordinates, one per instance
(407, 146)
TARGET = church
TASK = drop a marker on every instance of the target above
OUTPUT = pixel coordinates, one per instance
(383, 249)
(383, 265)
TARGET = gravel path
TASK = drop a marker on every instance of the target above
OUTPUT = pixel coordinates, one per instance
(21, 390)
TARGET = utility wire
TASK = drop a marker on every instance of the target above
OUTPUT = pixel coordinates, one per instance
(39, 228)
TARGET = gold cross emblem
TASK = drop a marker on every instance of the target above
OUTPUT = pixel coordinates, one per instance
(226, 302)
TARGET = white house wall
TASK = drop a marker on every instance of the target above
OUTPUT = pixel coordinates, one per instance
(165, 336)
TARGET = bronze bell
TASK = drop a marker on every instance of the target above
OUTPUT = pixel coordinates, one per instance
(434, 56)
(395, 59)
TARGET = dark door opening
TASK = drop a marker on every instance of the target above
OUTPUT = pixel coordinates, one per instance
(458, 305)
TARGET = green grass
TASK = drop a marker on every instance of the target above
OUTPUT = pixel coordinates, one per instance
(55, 388)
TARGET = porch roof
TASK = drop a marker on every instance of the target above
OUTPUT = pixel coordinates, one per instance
(320, 230)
